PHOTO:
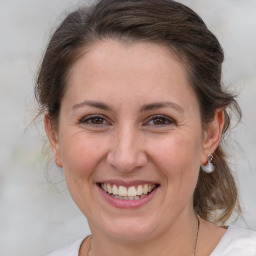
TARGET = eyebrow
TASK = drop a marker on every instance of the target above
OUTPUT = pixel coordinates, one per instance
(91, 103)
(146, 107)
(166, 104)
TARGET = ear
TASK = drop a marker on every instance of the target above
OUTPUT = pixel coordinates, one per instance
(53, 139)
(212, 135)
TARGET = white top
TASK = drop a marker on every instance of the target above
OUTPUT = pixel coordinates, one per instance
(235, 242)
(69, 250)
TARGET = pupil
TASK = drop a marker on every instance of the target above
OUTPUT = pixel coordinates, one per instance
(97, 120)
(159, 121)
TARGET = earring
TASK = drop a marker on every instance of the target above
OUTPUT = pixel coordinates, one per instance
(209, 167)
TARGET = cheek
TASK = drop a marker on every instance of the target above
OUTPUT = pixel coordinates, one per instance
(178, 161)
(178, 157)
(81, 154)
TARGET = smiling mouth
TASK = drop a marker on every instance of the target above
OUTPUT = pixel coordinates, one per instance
(128, 193)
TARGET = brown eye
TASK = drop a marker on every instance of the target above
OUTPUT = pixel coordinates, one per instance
(97, 120)
(94, 120)
(160, 120)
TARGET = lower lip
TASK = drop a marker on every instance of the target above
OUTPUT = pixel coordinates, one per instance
(127, 204)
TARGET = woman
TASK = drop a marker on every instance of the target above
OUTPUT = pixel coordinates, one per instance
(135, 114)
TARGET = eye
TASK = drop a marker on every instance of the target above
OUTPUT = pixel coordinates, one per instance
(159, 120)
(94, 120)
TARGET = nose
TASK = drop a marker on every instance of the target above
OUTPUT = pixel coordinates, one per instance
(127, 150)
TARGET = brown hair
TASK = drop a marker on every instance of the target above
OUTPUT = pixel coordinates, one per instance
(164, 22)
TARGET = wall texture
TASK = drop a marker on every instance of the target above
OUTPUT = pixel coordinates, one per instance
(36, 215)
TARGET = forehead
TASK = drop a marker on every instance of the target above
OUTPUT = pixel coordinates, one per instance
(119, 53)
(111, 67)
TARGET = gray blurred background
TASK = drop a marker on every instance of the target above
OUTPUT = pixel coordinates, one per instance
(36, 215)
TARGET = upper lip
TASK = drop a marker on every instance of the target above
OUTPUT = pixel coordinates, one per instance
(127, 183)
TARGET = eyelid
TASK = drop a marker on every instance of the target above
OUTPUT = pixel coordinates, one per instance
(85, 119)
(160, 116)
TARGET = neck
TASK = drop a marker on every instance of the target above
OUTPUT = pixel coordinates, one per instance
(179, 239)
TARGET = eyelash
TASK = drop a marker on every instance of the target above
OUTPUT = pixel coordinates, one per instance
(89, 120)
(167, 120)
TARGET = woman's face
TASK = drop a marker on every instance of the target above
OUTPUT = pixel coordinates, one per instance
(130, 139)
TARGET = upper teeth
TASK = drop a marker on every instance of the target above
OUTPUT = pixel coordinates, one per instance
(127, 191)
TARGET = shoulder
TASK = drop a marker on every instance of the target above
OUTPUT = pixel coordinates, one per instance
(69, 250)
(237, 242)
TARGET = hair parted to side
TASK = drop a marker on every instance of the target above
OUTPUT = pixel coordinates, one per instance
(163, 22)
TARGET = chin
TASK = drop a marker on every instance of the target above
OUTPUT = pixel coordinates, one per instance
(130, 230)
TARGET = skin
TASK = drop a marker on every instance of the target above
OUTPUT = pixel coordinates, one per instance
(127, 142)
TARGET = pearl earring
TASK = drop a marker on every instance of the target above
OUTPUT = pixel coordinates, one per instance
(209, 167)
